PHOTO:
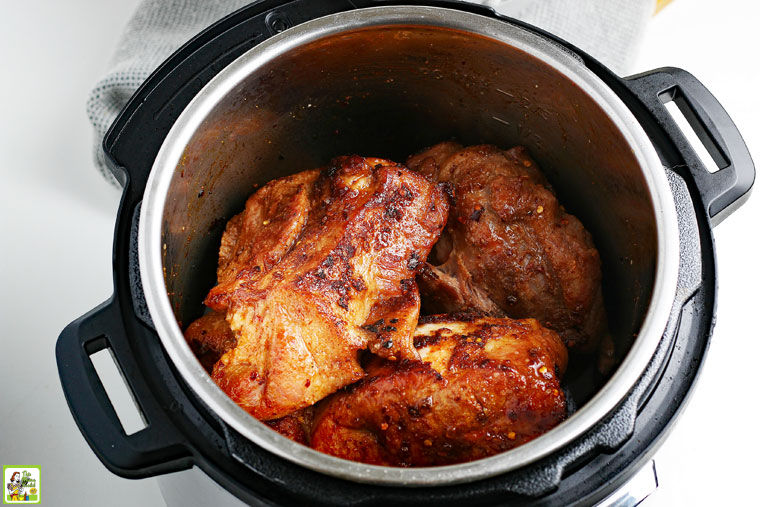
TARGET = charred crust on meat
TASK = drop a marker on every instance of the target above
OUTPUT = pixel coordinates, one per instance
(469, 316)
(421, 341)
(407, 284)
(414, 261)
(475, 215)
(344, 251)
(448, 189)
(393, 213)
(374, 327)
(333, 168)
(338, 286)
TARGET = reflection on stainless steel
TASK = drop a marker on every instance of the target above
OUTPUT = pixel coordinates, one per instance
(386, 82)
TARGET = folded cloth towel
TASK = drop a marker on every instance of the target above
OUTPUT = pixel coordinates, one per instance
(610, 30)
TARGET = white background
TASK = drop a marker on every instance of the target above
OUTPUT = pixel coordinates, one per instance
(57, 215)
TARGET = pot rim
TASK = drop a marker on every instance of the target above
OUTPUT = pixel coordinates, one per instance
(554, 55)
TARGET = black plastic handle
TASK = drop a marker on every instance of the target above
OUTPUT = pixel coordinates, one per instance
(726, 189)
(156, 449)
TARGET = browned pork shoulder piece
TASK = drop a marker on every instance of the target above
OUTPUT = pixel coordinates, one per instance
(484, 386)
(509, 248)
(319, 266)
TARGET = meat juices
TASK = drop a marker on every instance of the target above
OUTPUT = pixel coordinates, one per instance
(510, 249)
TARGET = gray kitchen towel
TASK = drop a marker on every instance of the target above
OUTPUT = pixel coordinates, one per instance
(609, 30)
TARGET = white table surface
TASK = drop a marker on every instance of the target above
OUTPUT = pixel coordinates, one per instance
(57, 217)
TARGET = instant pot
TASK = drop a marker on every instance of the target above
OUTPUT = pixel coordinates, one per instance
(283, 86)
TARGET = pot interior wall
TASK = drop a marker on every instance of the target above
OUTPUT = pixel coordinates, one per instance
(389, 92)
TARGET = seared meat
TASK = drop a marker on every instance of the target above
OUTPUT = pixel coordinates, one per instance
(317, 267)
(209, 337)
(509, 247)
(484, 386)
(272, 222)
(295, 426)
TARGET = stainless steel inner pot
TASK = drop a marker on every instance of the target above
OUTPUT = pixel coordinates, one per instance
(387, 82)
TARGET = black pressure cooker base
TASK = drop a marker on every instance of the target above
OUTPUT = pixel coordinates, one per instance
(585, 472)
(183, 432)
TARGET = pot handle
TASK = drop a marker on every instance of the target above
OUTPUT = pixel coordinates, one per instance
(156, 449)
(724, 190)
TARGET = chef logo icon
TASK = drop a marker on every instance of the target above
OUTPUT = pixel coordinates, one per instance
(22, 485)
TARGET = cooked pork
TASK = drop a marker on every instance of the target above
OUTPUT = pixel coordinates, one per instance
(483, 386)
(319, 266)
(509, 248)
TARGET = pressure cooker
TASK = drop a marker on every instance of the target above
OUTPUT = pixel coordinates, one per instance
(282, 86)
